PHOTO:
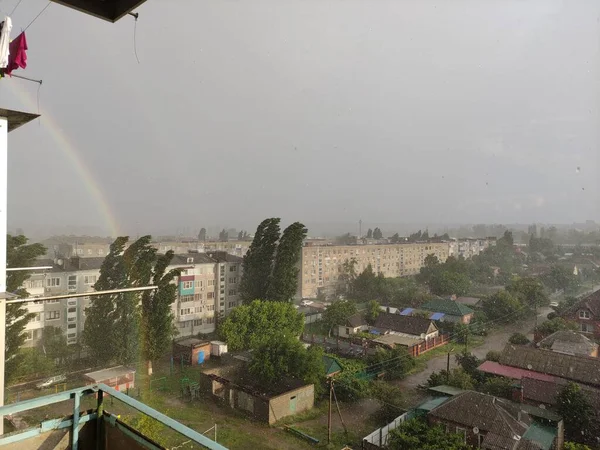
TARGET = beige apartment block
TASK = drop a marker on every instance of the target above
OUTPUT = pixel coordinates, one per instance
(321, 265)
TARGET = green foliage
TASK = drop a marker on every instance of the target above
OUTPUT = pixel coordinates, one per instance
(248, 326)
(529, 290)
(395, 363)
(461, 333)
(337, 313)
(347, 276)
(115, 327)
(285, 357)
(498, 387)
(223, 235)
(450, 277)
(417, 434)
(541, 245)
(148, 427)
(577, 412)
(392, 399)
(54, 345)
(157, 317)
(370, 234)
(457, 378)
(18, 254)
(202, 234)
(32, 361)
(350, 388)
(258, 261)
(493, 355)
(372, 311)
(561, 278)
(575, 446)
(377, 234)
(468, 362)
(502, 307)
(518, 339)
(400, 291)
(284, 279)
(557, 324)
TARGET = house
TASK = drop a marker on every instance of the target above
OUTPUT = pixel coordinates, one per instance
(265, 404)
(446, 310)
(354, 324)
(488, 422)
(409, 326)
(120, 378)
(570, 343)
(471, 302)
(586, 312)
(332, 366)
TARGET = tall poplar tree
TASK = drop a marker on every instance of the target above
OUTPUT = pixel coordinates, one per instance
(258, 261)
(284, 278)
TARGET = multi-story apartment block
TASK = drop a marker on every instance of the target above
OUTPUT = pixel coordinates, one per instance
(469, 247)
(201, 293)
(321, 266)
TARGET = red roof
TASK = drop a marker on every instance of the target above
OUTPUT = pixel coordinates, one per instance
(495, 368)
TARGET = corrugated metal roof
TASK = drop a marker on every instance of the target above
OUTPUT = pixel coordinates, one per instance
(437, 316)
(541, 434)
(407, 312)
(448, 390)
(515, 373)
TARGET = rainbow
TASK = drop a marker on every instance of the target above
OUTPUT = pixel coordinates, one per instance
(72, 154)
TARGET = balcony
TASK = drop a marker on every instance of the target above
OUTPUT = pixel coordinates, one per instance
(95, 428)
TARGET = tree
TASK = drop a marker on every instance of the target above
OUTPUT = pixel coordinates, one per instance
(395, 238)
(157, 316)
(518, 339)
(286, 357)
(337, 313)
(284, 279)
(503, 307)
(18, 254)
(372, 311)
(224, 235)
(556, 324)
(377, 234)
(202, 234)
(417, 434)
(456, 377)
(561, 278)
(468, 362)
(347, 276)
(258, 261)
(446, 282)
(395, 363)
(498, 387)
(392, 398)
(575, 446)
(370, 234)
(345, 239)
(54, 344)
(576, 411)
(364, 285)
(530, 290)
(112, 324)
(241, 235)
(493, 355)
(247, 326)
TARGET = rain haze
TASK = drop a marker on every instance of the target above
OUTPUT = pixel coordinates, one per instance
(319, 111)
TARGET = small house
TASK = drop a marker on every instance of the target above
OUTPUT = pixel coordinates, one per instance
(120, 378)
(446, 310)
(192, 351)
(410, 326)
(586, 312)
(354, 324)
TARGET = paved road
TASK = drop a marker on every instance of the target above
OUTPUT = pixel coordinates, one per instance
(495, 341)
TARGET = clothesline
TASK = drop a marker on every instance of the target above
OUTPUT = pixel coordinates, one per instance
(28, 79)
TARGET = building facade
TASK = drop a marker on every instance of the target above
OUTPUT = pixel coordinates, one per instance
(201, 293)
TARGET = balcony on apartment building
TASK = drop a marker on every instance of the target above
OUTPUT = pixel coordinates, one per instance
(94, 428)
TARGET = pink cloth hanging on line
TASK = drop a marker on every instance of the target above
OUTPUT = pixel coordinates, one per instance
(17, 56)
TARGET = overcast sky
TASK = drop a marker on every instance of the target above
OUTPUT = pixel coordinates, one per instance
(314, 110)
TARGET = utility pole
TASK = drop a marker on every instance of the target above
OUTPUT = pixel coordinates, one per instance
(360, 228)
(329, 413)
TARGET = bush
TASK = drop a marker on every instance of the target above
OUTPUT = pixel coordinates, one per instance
(493, 355)
(498, 387)
(518, 339)
(551, 315)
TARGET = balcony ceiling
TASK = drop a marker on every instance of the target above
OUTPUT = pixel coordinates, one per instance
(111, 10)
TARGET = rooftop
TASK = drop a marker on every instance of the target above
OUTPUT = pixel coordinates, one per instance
(404, 324)
(591, 302)
(111, 10)
(449, 307)
(515, 373)
(569, 342)
(113, 372)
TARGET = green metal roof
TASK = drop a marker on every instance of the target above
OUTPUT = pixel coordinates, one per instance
(446, 390)
(541, 434)
(449, 307)
(431, 404)
(331, 365)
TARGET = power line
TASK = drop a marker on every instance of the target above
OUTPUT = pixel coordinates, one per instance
(15, 8)
(36, 17)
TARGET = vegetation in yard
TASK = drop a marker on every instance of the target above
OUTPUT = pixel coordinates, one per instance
(518, 339)
(418, 434)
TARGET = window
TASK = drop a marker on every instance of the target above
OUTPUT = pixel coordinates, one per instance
(190, 260)
(198, 283)
(72, 310)
(72, 325)
(232, 292)
(197, 322)
(90, 279)
(52, 301)
(72, 335)
(231, 304)
(53, 315)
(72, 282)
(462, 432)
(35, 284)
(233, 268)
(188, 284)
(198, 309)
(100, 252)
(587, 328)
(72, 302)
(210, 295)
(584, 314)
(233, 280)
(28, 335)
(210, 308)
(197, 297)
(211, 282)
(71, 319)
(186, 298)
(182, 324)
(36, 318)
(53, 282)
(185, 311)
(210, 320)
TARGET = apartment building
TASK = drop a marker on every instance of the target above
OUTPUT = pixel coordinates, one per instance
(321, 265)
(207, 286)
(469, 247)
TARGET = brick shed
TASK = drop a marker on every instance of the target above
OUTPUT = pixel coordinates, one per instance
(192, 350)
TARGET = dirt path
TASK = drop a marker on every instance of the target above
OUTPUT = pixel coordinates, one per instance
(495, 341)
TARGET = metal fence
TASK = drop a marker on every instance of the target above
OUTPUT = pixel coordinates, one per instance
(379, 438)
